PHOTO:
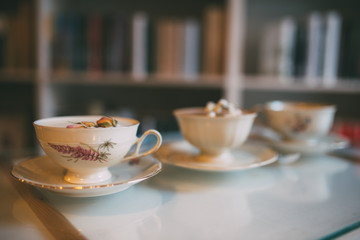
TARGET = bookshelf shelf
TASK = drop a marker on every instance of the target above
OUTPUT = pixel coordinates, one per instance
(270, 83)
(263, 83)
(26, 77)
(108, 79)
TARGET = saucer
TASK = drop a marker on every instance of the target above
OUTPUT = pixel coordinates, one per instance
(321, 145)
(45, 174)
(183, 154)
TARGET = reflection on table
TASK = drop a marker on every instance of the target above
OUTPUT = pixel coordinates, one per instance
(315, 197)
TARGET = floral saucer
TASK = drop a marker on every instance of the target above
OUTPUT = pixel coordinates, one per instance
(182, 154)
(318, 146)
(45, 174)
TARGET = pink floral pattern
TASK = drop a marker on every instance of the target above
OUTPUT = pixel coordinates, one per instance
(300, 123)
(85, 153)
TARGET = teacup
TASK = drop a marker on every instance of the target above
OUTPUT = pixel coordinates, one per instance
(87, 153)
(300, 121)
(214, 136)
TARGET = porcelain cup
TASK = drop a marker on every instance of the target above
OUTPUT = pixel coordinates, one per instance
(87, 153)
(300, 121)
(214, 136)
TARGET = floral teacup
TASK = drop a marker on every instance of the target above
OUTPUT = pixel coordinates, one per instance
(300, 121)
(87, 150)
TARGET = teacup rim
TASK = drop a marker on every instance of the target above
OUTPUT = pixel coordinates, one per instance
(321, 105)
(36, 123)
(180, 112)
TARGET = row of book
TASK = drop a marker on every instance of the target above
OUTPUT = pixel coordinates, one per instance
(118, 43)
(136, 44)
(17, 38)
(319, 49)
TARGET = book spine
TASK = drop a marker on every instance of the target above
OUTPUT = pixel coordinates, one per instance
(315, 49)
(164, 47)
(109, 44)
(269, 50)
(114, 49)
(95, 44)
(59, 46)
(350, 49)
(3, 36)
(191, 51)
(125, 46)
(178, 50)
(213, 58)
(332, 44)
(79, 45)
(287, 47)
(139, 46)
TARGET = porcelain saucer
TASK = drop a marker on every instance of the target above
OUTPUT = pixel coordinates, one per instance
(45, 174)
(182, 154)
(321, 145)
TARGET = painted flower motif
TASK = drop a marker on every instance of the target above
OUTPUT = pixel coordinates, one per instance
(86, 152)
(300, 123)
(107, 145)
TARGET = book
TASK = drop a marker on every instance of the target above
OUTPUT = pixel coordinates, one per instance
(151, 46)
(20, 40)
(300, 49)
(349, 55)
(24, 32)
(269, 49)
(3, 36)
(60, 59)
(286, 58)
(112, 31)
(213, 40)
(278, 46)
(178, 48)
(116, 43)
(331, 51)
(191, 49)
(314, 50)
(94, 37)
(77, 26)
(164, 47)
(125, 42)
(9, 58)
(139, 66)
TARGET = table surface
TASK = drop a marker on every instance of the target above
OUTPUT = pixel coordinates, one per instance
(316, 197)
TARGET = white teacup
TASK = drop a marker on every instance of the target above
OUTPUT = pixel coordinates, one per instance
(300, 121)
(87, 153)
(214, 136)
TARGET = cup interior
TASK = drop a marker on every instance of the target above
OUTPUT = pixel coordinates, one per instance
(297, 106)
(62, 122)
(199, 112)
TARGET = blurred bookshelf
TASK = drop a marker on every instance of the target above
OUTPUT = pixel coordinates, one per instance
(145, 58)
(298, 84)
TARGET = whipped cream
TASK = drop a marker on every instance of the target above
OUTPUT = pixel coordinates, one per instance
(221, 108)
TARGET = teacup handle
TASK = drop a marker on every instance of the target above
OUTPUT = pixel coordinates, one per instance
(139, 142)
(260, 110)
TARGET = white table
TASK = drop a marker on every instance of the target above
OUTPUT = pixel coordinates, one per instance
(316, 197)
